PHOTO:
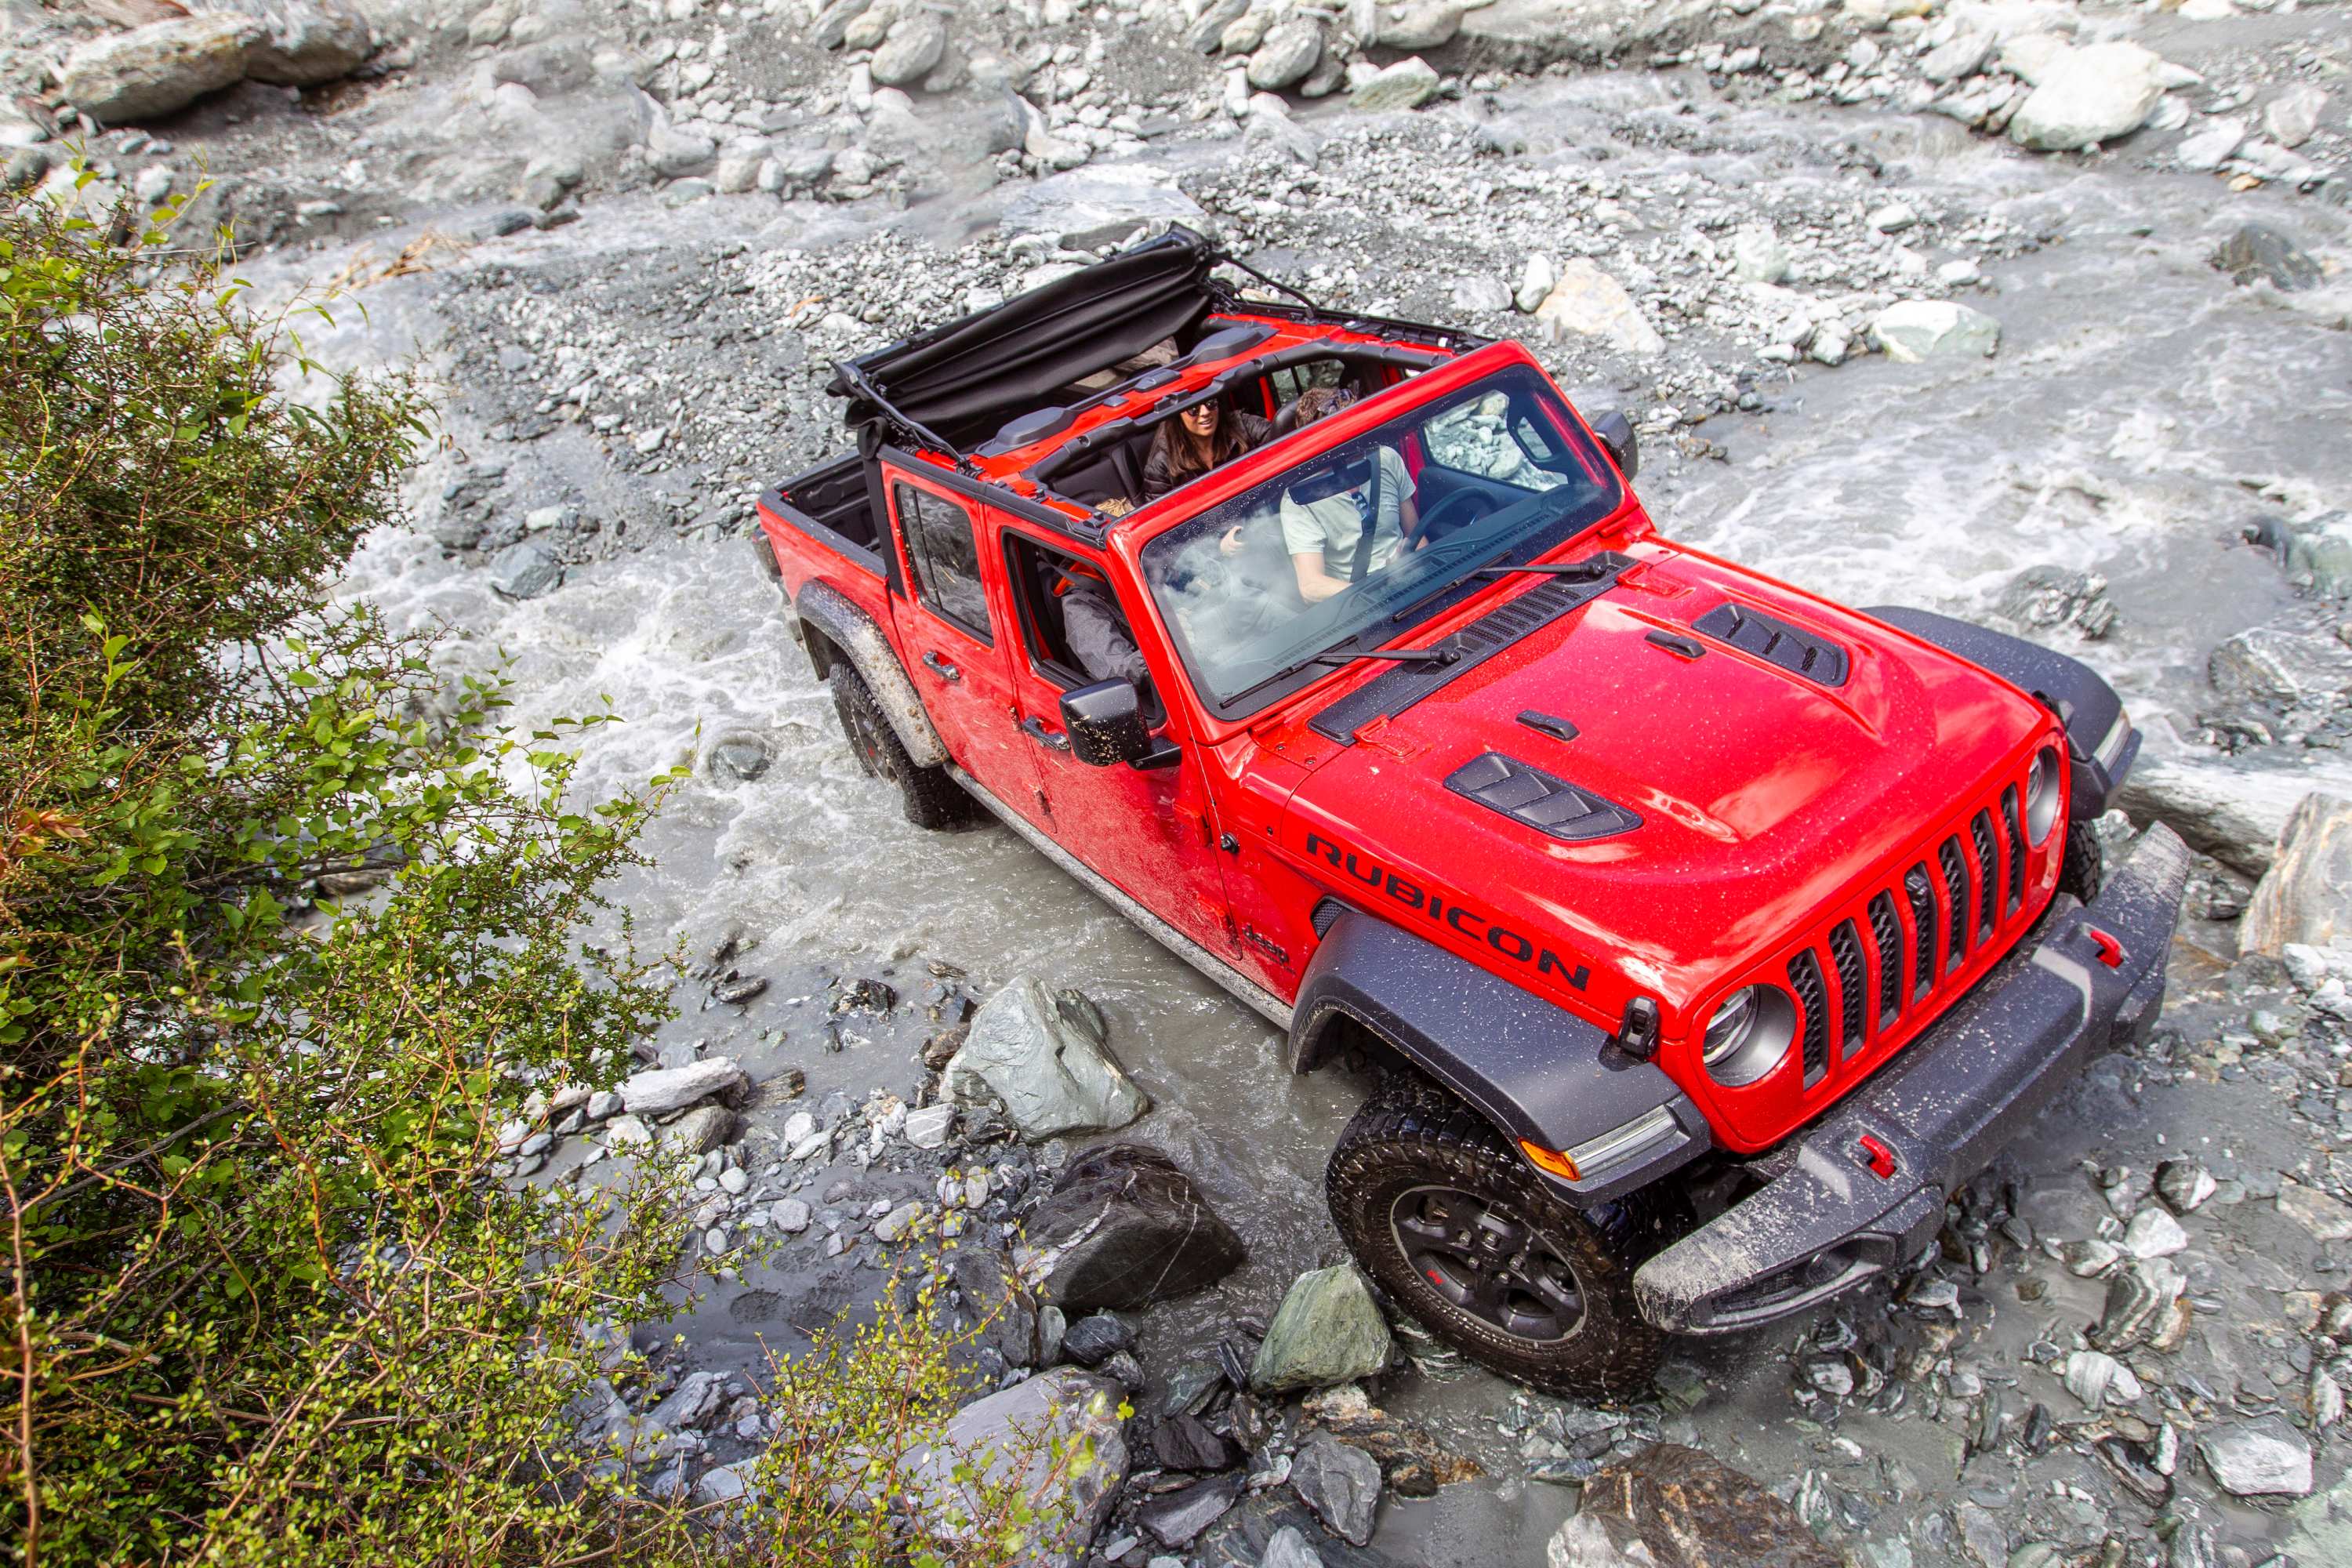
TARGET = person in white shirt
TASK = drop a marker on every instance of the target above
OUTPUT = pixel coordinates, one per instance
(1338, 538)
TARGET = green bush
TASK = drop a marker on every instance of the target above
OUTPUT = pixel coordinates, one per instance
(265, 1301)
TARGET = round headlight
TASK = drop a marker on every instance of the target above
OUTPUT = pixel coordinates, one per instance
(2041, 801)
(1749, 1036)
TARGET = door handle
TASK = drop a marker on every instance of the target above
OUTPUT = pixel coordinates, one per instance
(1053, 740)
(942, 668)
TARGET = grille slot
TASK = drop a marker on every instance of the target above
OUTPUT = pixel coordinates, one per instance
(1956, 891)
(2015, 822)
(1845, 951)
(1886, 931)
(1805, 979)
(1922, 896)
(1988, 875)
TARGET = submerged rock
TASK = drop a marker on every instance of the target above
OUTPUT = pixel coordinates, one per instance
(1023, 1054)
(1327, 1331)
(1123, 1228)
(525, 570)
(156, 69)
(1670, 1504)
(2305, 897)
(2255, 254)
(1916, 330)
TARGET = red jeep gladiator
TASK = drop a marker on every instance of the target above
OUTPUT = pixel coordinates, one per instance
(1707, 934)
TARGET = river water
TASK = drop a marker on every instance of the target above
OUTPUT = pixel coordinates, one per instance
(2136, 402)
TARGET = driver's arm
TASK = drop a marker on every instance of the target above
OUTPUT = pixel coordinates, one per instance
(1314, 583)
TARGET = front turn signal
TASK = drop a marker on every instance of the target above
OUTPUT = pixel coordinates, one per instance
(1544, 1159)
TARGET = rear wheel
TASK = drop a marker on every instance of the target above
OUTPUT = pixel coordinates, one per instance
(2083, 870)
(1441, 1210)
(930, 797)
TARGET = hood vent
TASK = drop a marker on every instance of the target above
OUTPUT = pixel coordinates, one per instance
(1776, 642)
(1533, 797)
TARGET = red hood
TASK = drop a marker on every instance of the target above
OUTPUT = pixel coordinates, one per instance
(1764, 796)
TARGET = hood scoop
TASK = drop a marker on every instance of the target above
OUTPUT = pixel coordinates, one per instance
(1534, 798)
(1776, 642)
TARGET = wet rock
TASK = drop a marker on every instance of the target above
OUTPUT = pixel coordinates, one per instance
(1916, 329)
(2141, 1298)
(928, 1126)
(1176, 1519)
(914, 47)
(660, 1089)
(736, 988)
(2153, 1233)
(1408, 84)
(1675, 1505)
(1123, 1228)
(2233, 813)
(1339, 1483)
(1048, 1077)
(525, 570)
(789, 1215)
(2258, 1459)
(2097, 1379)
(2293, 115)
(2326, 1218)
(1188, 1443)
(2316, 553)
(1286, 1548)
(699, 1132)
(302, 42)
(742, 758)
(995, 1297)
(2091, 95)
(1290, 51)
(158, 68)
(2305, 897)
(2184, 1184)
(699, 1396)
(1589, 302)
(2256, 254)
(1007, 1438)
(2283, 668)
(1327, 1331)
(2046, 596)
(1093, 1340)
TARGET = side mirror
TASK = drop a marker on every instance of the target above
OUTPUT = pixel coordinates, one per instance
(1616, 433)
(1105, 724)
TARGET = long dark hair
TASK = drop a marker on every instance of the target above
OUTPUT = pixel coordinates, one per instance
(1185, 455)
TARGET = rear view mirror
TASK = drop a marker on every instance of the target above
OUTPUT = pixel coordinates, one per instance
(1616, 433)
(1106, 726)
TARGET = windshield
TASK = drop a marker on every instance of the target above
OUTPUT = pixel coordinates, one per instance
(1350, 548)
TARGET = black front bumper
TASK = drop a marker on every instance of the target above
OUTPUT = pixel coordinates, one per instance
(1937, 1116)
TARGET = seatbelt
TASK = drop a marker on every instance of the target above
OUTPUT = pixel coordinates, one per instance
(1363, 562)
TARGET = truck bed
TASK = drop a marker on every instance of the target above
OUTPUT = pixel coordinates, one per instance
(832, 504)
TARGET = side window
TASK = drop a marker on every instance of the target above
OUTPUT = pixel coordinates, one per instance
(1291, 380)
(945, 557)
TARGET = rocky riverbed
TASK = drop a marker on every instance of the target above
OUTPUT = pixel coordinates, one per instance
(2030, 312)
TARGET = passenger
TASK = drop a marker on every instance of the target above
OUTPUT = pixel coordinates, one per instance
(1335, 538)
(1202, 437)
(1097, 627)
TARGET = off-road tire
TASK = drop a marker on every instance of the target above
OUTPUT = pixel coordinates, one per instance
(2083, 870)
(1412, 1136)
(931, 799)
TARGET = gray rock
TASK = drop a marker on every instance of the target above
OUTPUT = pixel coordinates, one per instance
(2184, 1184)
(1097, 206)
(2293, 115)
(2153, 1233)
(2203, 149)
(1419, 24)
(928, 1126)
(1407, 84)
(2139, 1306)
(2258, 1459)
(2089, 95)
(1340, 1483)
(1757, 256)
(1481, 293)
(2255, 254)
(156, 69)
(659, 1089)
(302, 42)
(2326, 1218)
(2233, 813)
(1962, 55)
(1124, 1228)
(741, 757)
(1292, 48)
(699, 1132)
(2323, 1526)
(831, 28)
(1587, 302)
(1093, 1340)
(525, 570)
(1000, 1305)
(2315, 552)
(1672, 1504)
(722, 1483)
(1286, 1548)
(914, 46)
(1007, 1439)
(2047, 596)
(1176, 1519)
(789, 1215)
(1327, 1331)
(1048, 1076)
(898, 1222)
(1914, 329)
(699, 1397)
(2305, 897)
(2281, 667)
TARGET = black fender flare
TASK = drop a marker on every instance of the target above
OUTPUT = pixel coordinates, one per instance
(1540, 1073)
(2100, 740)
(827, 610)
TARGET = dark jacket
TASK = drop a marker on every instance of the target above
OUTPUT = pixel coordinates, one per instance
(1097, 630)
(1159, 474)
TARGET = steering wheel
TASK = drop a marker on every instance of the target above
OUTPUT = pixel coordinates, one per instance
(1457, 510)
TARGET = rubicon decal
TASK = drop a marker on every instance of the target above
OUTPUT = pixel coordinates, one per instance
(1458, 916)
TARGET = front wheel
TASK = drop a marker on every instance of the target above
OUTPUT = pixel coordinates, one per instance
(930, 797)
(1441, 1210)
(2083, 870)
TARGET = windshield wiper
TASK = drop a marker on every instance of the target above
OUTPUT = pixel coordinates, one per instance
(1574, 571)
(1397, 655)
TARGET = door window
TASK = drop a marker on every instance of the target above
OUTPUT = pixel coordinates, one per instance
(944, 557)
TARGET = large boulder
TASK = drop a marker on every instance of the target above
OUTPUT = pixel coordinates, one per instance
(2091, 95)
(1683, 1509)
(1327, 1331)
(2306, 895)
(2233, 813)
(159, 68)
(301, 42)
(1123, 1228)
(1589, 302)
(1916, 329)
(1048, 1072)
(1009, 1437)
(2281, 667)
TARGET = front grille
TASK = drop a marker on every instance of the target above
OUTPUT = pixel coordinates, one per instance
(1805, 980)
(1893, 959)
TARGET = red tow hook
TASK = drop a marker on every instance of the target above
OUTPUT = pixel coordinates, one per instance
(1877, 1156)
(2111, 951)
